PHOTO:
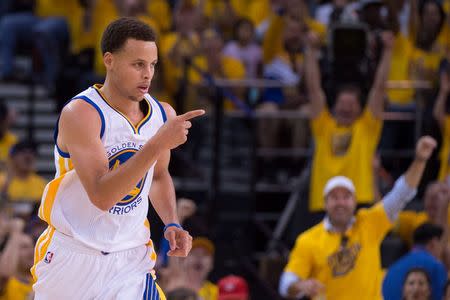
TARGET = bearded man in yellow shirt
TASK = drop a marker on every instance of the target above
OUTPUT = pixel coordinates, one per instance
(345, 141)
(340, 257)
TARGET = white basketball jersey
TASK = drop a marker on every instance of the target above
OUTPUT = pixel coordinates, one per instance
(65, 204)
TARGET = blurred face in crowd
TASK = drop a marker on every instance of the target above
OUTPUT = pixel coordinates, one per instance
(431, 17)
(436, 195)
(185, 19)
(347, 108)
(131, 7)
(340, 205)
(292, 35)
(24, 161)
(132, 67)
(340, 3)
(245, 33)
(416, 287)
(199, 263)
(211, 42)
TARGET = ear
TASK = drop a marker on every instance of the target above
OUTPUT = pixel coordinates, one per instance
(108, 60)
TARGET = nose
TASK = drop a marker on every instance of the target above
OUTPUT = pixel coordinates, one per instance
(147, 73)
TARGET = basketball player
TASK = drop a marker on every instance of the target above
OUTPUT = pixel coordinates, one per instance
(112, 152)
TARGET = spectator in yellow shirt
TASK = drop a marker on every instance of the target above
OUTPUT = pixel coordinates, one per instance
(345, 141)
(16, 259)
(192, 272)
(340, 257)
(21, 186)
(211, 63)
(7, 138)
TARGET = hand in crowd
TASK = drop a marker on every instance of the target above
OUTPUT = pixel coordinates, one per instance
(311, 287)
(425, 147)
(185, 208)
(312, 40)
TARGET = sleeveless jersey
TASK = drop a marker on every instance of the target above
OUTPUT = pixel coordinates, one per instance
(65, 204)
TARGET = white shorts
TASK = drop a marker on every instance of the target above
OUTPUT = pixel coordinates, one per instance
(70, 270)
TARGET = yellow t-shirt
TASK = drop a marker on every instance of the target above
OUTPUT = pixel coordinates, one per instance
(173, 72)
(209, 291)
(444, 155)
(17, 290)
(408, 221)
(351, 272)
(159, 10)
(25, 190)
(6, 143)
(347, 151)
(72, 11)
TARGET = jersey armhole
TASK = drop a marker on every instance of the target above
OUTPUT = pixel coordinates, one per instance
(102, 118)
(163, 112)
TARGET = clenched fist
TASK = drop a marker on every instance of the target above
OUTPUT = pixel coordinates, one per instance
(425, 147)
(174, 132)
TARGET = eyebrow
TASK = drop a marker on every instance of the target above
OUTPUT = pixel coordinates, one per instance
(143, 60)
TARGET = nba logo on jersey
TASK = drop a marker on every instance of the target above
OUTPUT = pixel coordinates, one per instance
(48, 257)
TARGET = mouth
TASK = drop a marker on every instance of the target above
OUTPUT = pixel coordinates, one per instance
(143, 88)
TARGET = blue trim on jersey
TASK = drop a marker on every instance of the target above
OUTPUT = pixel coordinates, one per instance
(149, 117)
(150, 292)
(82, 97)
(163, 112)
(102, 130)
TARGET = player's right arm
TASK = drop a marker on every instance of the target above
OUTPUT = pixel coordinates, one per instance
(79, 135)
(312, 76)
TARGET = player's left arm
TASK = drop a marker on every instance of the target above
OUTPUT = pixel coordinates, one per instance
(163, 199)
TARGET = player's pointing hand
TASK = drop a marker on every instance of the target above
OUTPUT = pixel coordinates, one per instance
(175, 130)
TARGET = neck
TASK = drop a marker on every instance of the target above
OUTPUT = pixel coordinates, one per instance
(21, 174)
(339, 226)
(112, 94)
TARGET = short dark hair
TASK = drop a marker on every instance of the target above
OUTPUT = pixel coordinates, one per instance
(349, 88)
(23, 145)
(425, 233)
(418, 270)
(120, 30)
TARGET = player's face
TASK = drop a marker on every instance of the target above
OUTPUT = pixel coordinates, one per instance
(416, 287)
(132, 68)
(340, 205)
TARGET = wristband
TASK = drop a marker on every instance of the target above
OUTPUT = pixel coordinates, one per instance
(172, 225)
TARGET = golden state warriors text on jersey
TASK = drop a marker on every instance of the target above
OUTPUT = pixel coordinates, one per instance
(117, 155)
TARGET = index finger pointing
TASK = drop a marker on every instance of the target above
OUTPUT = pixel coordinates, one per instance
(192, 114)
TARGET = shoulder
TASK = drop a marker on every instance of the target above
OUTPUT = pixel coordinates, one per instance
(79, 108)
(311, 235)
(168, 109)
(79, 115)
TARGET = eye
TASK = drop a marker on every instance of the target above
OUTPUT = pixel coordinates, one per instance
(139, 64)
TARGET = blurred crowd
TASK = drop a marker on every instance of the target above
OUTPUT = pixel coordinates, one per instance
(348, 68)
